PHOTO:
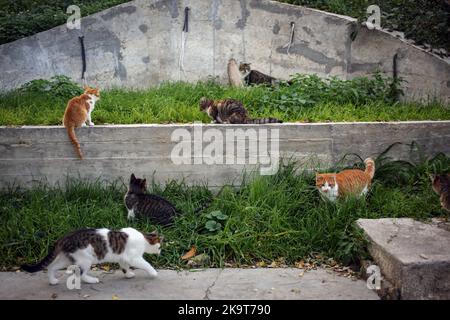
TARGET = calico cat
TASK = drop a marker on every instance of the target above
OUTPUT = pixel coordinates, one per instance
(347, 182)
(255, 77)
(230, 111)
(91, 246)
(78, 112)
(441, 185)
(234, 75)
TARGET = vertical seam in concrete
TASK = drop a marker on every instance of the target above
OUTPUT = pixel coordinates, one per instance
(214, 49)
(208, 290)
(270, 57)
(348, 52)
(332, 143)
(243, 45)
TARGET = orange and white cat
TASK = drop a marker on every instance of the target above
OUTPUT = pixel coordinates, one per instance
(78, 112)
(345, 183)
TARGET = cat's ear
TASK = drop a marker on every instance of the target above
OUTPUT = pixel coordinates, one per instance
(154, 237)
(85, 88)
(133, 177)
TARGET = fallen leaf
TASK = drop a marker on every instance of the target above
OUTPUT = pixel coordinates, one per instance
(86, 296)
(105, 268)
(54, 296)
(115, 297)
(191, 253)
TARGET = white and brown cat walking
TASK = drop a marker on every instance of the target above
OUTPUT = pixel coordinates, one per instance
(78, 112)
(86, 247)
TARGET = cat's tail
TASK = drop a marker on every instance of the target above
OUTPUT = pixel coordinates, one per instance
(263, 121)
(41, 265)
(73, 138)
(370, 167)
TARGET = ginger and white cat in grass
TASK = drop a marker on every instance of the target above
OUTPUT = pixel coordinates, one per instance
(348, 182)
(92, 246)
(78, 112)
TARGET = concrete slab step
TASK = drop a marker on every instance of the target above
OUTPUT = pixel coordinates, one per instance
(414, 256)
(214, 284)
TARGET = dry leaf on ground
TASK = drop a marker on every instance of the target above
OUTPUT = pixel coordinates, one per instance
(191, 253)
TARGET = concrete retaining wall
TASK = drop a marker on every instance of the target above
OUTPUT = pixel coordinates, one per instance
(137, 45)
(31, 154)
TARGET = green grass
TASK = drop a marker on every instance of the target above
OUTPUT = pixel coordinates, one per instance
(270, 217)
(310, 100)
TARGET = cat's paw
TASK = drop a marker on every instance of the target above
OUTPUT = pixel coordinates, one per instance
(53, 282)
(129, 275)
(91, 280)
(83, 124)
(91, 124)
(153, 274)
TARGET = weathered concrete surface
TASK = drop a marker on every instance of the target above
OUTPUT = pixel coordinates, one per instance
(138, 44)
(213, 284)
(376, 49)
(34, 154)
(414, 256)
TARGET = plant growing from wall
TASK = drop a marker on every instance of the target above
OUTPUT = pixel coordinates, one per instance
(58, 86)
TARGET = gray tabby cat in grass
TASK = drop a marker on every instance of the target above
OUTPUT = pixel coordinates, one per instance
(140, 204)
(156, 208)
(91, 246)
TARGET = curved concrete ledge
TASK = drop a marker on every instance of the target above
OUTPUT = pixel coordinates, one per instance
(137, 45)
(32, 154)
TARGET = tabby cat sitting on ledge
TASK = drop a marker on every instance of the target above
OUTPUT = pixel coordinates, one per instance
(250, 76)
(230, 111)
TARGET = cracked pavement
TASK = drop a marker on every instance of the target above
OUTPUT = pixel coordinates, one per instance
(213, 284)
